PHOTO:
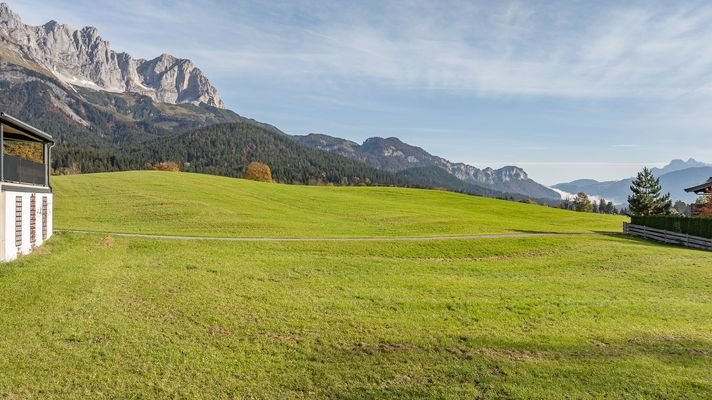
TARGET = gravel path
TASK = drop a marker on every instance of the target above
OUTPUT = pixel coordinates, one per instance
(364, 239)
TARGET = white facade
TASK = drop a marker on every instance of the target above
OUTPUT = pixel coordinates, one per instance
(21, 233)
(25, 192)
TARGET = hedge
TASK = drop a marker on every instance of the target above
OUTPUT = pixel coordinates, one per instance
(701, 227)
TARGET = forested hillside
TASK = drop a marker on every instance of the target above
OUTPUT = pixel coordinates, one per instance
(227, 149)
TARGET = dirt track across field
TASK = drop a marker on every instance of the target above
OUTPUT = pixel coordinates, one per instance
(345, 239)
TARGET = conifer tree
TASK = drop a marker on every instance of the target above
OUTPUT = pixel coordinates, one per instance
(602, 206)
(582, 203)
(646, 198)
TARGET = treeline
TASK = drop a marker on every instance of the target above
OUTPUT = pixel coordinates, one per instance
(227, 150)
(582, 203)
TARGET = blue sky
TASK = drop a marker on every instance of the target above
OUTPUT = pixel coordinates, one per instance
(570, 89)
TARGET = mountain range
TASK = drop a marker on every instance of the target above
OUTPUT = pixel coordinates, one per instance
(82, 58)
(391, 154)
(110, 111)
(674, 178)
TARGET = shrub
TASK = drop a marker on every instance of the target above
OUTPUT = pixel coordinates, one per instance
(166, 166)
(258, 171)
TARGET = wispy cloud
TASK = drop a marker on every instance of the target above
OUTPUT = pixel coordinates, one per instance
(490, 49)
(485, 48)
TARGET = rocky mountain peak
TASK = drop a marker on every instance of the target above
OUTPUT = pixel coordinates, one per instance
(83, 58)
(7, 17)
(6, 13)
(678, 165)
(513, 173)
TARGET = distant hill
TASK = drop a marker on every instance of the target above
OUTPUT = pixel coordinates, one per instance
(678, 165)
(227, 149)
(675, 177)
(393, 155)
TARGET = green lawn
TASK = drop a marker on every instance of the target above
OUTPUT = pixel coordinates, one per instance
(556, 317)
(569, 316)
(202, 205)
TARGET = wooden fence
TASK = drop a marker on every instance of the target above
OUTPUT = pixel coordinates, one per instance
(667, 236)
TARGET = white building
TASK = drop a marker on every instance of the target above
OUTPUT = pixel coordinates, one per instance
(25, 192)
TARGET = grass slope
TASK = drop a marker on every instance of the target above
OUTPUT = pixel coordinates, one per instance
(201, 205)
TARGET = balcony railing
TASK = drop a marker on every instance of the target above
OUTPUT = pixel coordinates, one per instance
(20, 170)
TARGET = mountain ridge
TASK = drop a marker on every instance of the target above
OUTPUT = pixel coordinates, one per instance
(675, 177)
(82, 58)
(393, 155)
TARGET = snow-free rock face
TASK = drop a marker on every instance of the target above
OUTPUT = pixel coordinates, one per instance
(83, 58)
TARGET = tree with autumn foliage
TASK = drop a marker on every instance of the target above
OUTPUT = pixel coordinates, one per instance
(703, 206)
(166, 166)
(258, 171)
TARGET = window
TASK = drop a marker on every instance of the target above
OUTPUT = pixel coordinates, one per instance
(18, 221)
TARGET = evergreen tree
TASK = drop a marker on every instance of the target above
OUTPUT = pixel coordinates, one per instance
(565, 204)
(602, 206)
(582, 203)
(646, 198)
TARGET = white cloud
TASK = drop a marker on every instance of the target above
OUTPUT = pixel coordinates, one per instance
(577, 50)
(512, 49)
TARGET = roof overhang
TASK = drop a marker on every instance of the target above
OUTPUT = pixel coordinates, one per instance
(702, 188)
(23, 129)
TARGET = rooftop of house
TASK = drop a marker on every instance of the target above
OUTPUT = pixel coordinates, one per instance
(701, 188)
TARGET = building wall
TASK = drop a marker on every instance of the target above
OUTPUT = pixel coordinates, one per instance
(8, 248)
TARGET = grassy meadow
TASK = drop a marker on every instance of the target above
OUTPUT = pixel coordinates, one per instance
(203, 205)
(566, 316)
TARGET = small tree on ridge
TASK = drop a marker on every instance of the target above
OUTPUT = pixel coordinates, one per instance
(582, 203)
